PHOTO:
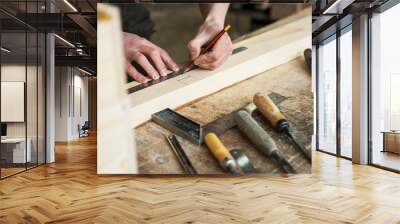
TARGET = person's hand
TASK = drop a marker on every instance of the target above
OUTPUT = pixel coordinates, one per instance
(154, 60)
(219, 53)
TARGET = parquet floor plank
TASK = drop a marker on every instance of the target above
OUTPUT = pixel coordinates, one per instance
(70, 191)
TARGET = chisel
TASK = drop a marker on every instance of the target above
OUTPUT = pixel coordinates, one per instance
(270, 111)
(221, 153)
(261, 139)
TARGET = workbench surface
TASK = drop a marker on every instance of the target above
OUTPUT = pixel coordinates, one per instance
(290, 81)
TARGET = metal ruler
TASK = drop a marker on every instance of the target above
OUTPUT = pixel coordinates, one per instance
(170, 76)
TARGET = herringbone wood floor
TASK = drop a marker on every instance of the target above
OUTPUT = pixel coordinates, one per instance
(69, 191)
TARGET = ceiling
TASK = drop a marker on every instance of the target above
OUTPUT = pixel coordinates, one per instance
(75, 22)
(329, 16)
(22, 21)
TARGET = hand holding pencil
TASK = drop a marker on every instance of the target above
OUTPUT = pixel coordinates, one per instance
(211, 47)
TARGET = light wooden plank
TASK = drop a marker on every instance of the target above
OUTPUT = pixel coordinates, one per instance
(116, 148)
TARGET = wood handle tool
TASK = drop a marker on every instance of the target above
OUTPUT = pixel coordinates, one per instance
(181, 155)
(261, 139)
(272, 113)
(221, 153)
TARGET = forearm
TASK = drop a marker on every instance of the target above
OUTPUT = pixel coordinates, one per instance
(214, 21)
(214, 13)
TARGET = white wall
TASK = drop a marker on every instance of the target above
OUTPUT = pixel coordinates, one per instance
(71, 94)
(33, 127)
(62, 81)
(12, 101)
(12, 73)
(80, 109)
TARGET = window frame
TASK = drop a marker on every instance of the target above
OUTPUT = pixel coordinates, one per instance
(27, 29)
(340, 30)
(334, 37)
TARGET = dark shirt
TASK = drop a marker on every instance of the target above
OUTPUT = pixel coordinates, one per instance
(136, 19)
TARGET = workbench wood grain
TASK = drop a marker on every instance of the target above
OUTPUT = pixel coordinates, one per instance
(291, 80)
(117, 117)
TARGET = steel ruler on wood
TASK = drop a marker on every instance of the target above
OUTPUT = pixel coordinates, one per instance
(170, 76)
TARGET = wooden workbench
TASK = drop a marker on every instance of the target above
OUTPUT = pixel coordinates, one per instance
(291, 80)
(277, 45)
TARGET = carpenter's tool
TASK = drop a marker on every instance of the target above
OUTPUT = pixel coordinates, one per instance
(270, 111)
(208, 46)
(192, 130)
(171, 75)
(181, 155)
(221, 153)
(195, 132)
(243, 161)
(261, 139)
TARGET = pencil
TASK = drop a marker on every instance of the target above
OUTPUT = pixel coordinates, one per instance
(208, 46)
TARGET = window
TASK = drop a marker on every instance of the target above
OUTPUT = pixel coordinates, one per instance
(327, 96)
(394, 102)
(385, 89)
(346, 93)
(333, 137)
(22, 77)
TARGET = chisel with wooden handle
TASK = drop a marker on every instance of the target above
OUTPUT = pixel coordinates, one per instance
(272, 113)
(261, 139)
(221, 153)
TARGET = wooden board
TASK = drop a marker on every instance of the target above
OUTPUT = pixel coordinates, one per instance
(290, 80)
(116, 149)
(269, 49)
